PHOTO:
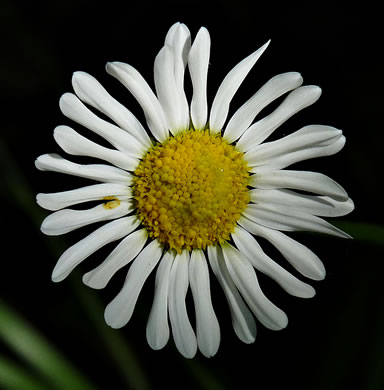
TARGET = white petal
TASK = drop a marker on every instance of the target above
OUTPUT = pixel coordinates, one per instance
(242, 319)
(246, 281)
(98, 172)
(249, 247)
(90, 91)
(74, 143)
(228, 88)
(322, 206)
(302, 258)
(198, 62)
(139, 88)
(182, 331)
(119, 311)
(299, 180)
(282, 218)
(157, 326)
(61, 200)
(274, 88)
(74, 255)
(179, 40)
(170, 97)
(308, 137)
(297, 100)
(65, 221)
(123, 254)
(286, 159)
(74, 109)
(207, 326)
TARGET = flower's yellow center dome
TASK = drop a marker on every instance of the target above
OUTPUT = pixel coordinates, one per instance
(191, 190)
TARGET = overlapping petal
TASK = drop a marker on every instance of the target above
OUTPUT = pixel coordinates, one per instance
(90, 91)
(270, 91)
(229, 87)
(143, 93)
(98, 172)
(297, 100)
(198, 62)
(119, 311)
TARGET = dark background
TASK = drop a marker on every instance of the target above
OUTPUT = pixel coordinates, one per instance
(333, 341)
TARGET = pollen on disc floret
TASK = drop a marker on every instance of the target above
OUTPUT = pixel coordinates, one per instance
(191, 189)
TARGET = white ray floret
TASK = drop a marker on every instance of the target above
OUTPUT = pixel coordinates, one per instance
(207, 326)
(90, 91)
(98, 172)
(228, 88)
(139, 88)
(123, 254)
(182, 331)
(73, 108)
(157, 327)
(119, 311)
(104, 192)
(74, 143)
(252, 250)
(297, 100)
(270, 91)
(198, 62)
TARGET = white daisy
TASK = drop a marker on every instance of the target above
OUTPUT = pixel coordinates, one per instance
(196, 188)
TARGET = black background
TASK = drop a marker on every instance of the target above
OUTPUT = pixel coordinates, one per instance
(333, 341)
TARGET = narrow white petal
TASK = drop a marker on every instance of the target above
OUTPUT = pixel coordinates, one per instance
(139, 88)
(286, 159)
(74, 143)
(302, 258)
(90, 91)
(271, 90)
(73, 108)
(299, 180)
(179, 41)
(242, 319)
(74, 255)
(119, 311)
(207, 326)
(249, 247)
(322, 206)
(297, 100)
(61, 200)
(198, 62)
(168, 93)
(64, 221)
(182, 331)
(157, 326)
(228, 88)
(286, 219)
(123, 254)
(246, 281)
(307, 137)
(98, 172)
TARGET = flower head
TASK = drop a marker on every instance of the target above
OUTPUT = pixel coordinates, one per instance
(189, 186)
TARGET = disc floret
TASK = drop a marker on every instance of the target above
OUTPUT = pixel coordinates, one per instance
(191, 190)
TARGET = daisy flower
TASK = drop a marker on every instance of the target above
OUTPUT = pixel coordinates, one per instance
(190, 191)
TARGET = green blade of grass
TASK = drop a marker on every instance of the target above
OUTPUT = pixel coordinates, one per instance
(24, 340)
(14, 377)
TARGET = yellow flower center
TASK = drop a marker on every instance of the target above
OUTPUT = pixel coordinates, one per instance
(191, 190)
